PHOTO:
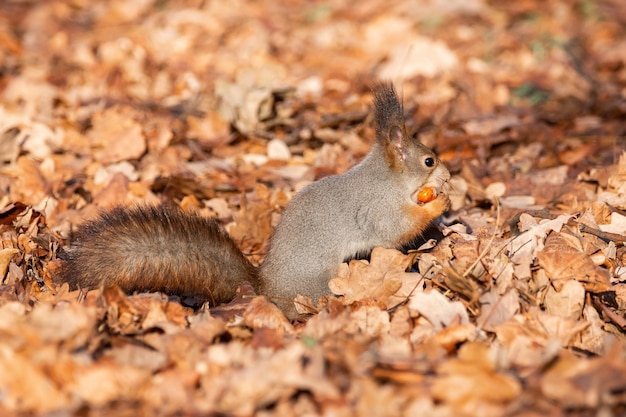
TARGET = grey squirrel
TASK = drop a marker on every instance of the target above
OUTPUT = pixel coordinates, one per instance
(162, 248)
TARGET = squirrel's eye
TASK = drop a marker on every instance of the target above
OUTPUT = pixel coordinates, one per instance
(429, 162)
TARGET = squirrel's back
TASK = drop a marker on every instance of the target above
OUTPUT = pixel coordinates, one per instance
(157, 248)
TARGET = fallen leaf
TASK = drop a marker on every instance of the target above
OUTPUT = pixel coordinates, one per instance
(562, 262)
(524, 248)
(579, 382)
(116, 136)
(438, 309)
(262, 314)
(472, 379)
(5, 257)
(568, 302)
(383, 279)
(497, 309)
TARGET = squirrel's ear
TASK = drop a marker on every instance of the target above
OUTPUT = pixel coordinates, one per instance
(397, 140)
(389, 118)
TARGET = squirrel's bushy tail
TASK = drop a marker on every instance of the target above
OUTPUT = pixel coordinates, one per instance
(157, 248)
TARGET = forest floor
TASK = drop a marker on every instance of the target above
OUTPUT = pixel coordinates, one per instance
(228, 108)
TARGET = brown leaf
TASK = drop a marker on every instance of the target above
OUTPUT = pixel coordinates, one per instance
(5, 257)
(524, 248)
(117, 136)
(369, 320)
(103, 383)
(253, 221)
(261, 313)
(536, 337)
(578, 382)
(383, 278)
(496, 309)
(20, 376)
(472, 379)
(137, 313)
(438, 309)
(568, 301)
(32, 185)
(563, 262)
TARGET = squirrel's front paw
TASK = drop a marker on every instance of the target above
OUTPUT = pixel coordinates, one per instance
(440, 204)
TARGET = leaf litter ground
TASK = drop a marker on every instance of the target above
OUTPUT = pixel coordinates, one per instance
(517, 309)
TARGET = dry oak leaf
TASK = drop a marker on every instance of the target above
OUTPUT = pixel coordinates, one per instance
(253, 222)
(472, 379)
(5, 257)
(305, 305)
(438, 309)
(597, 336)
(262, 314)
(577, 382)
(136, 313)
(616, 225)
(568, 302)
(31, 187)
(616, 194)
(563, 259)
(524, 248)
(253, 378)
(384, 278)
(496, 309)
(536, 337)
(105, 382)
(368, 320)
(166, 316)
(26, 386)
(116, 136)
(451, 337)
(326, 324)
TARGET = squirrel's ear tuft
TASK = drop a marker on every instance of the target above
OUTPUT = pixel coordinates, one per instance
(388, 111)
(389, 118)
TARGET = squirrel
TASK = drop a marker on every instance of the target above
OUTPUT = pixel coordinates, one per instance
(162, 248)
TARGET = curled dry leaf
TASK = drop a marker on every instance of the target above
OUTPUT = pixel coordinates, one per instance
(326, 324)
(261, 313)
(141, 312)
(254, 219)
(369, 320)
(5, 257)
